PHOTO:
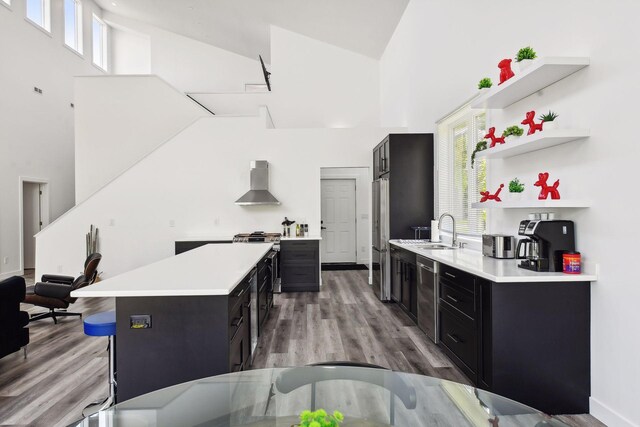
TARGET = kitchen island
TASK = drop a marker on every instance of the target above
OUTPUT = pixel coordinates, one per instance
(515, 332)
(185, 317)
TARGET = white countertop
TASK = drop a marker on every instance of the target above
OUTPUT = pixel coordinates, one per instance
(302, 238)
(495, 270)
(208, 270)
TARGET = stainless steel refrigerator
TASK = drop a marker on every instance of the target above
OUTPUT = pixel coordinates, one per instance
(381, 260)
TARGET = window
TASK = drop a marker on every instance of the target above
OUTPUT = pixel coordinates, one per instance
(38, 12)
(73, 24)
(100, 51)
(459, 184)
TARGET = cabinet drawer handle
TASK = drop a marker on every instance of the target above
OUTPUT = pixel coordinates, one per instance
(450, 275)
(454, 338)
(240, 293)
(453, 299)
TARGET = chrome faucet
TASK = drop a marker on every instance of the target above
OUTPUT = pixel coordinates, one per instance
(454, 242)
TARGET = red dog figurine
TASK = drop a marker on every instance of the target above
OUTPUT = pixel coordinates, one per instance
(494, 139)
(545, 189)
(505, 70)
(486, 196)
(533, 126)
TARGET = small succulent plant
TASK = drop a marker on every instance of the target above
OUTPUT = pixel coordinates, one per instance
(549, 117)
(320, 418)
(513, 131)
(515, 186)
(525, 53)
(485, 83)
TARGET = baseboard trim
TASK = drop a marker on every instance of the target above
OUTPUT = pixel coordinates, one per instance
(608, 416)
(11, 273)
(340, 266)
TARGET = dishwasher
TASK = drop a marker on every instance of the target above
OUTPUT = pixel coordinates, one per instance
(428, 297)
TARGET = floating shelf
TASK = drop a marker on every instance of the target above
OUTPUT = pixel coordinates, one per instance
(535, 142)
(533, 204)
(542, 73)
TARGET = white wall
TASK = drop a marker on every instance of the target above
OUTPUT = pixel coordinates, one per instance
(193, 180)
(131, 52)
(428, 70)
(119, 120)
(363, 177)
(36, 130)
(316, 84)
(187, 64)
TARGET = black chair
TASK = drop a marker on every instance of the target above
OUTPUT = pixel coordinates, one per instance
(54, 291)
(13, 331)
(294, 378)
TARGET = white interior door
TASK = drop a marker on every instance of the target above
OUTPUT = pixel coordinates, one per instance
(31, 222)
(339, 220)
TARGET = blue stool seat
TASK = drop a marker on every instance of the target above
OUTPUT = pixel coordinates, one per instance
(101, 324)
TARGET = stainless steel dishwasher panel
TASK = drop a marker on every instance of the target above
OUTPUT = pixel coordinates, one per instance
(428, 297)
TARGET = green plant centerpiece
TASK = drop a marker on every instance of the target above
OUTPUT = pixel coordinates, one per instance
(485, 83)
(513, 131)
(515, 186)
(320, 418)
(526, 53)
(480, 146)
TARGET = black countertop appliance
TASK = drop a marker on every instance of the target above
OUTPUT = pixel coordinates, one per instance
(552, 237)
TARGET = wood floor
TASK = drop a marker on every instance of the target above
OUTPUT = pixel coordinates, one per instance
(65, 370)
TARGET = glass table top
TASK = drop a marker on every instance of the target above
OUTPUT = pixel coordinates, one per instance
(275, 397)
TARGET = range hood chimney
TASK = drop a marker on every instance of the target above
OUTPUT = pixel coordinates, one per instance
(259, 192)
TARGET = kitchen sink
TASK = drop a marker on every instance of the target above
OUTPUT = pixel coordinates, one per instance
(439, 246)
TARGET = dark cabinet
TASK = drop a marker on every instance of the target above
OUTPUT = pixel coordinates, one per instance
(407, 161)
(300, 265)
(404, 281)
(527, 341)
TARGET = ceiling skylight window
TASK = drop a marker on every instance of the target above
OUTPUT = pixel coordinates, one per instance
(73, 24)
(39, 12)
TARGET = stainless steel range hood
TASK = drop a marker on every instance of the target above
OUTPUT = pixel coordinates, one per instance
(259, 192)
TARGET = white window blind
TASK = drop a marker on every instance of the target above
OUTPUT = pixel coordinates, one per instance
(459, 184)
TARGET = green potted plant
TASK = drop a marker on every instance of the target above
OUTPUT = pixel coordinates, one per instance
(480, 146)
(516, 188)
(320, 418)
(525, 57)
(549, 121)
(485, 83)
(513, 132)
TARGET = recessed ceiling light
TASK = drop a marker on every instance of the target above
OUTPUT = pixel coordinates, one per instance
(114, 3)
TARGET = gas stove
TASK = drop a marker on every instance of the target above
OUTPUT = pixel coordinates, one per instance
(257, 237)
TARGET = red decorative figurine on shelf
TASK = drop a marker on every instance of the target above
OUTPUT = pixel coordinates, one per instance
(494, 139)
(533, 126)
(486, 196)
(505, 70)
(545, 189)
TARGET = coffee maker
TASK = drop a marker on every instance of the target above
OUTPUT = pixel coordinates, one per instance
(547, 241)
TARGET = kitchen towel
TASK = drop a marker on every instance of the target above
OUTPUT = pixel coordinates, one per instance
(435, 231)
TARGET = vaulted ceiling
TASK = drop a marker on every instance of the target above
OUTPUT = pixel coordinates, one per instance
(242, 26)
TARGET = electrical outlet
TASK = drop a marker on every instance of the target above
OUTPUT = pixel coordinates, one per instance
(112, 222)
(59, 269)
(362, 249)
(216, 221)
(172, 223)
(5, 260)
